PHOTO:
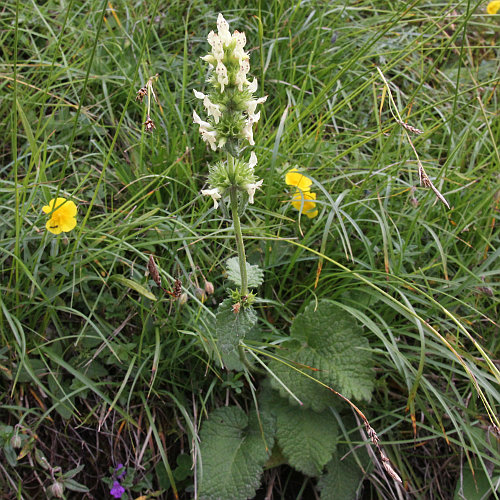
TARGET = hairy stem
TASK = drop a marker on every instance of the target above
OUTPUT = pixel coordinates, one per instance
(233, 193)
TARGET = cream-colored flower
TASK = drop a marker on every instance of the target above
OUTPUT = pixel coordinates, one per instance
(238, 51)
(254, 118)
(252, 105)
(247, 132)
(208, 134)
(241, 76)
(216, 44)
(223, 29)
(212, 109)
(251, 188)
(222, 77)
(214, 193)
(252, 87)
(253, 160)
(240, 38)
(200, 122)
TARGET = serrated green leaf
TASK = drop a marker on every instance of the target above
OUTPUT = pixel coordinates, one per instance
(233, 452)
(134, 285)
(329, 346)
(230, 328)
(342, 477)
(255, 275)
(308, 439)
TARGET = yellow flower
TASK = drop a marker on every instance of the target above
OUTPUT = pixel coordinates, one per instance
(62, 215)
(301, 201)
(295, 178)
(493, 7)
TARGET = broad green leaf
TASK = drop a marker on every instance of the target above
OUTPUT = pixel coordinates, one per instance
(230, 328)
(72, 485)
(73, 472)
(233, 452)
(327, 345)
(307, 439)
(10, 454)
(60, 388)
(134, 285)
(473, 486)
(255, 275)
(342, 477)
(37, 367)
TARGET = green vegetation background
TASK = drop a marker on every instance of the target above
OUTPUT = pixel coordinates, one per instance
(95, 372)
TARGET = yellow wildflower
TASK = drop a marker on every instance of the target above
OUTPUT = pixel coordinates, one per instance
(62, 215)
(493, 7)
(302, 201)
(295, 178)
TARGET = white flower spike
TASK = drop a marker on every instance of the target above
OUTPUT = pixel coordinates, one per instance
(229, 89)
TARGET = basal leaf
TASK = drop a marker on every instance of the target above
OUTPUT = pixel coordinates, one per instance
(255, 275)
(342, 477)
(329, 346)
(307, 439)
(233, 452)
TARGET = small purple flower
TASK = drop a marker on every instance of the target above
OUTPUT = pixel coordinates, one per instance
(120, 467)
(117, 490)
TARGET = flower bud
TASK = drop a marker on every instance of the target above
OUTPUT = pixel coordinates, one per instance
(15, 441)
(209, 288)
(183, 298)
(200, 293)
(57, 489)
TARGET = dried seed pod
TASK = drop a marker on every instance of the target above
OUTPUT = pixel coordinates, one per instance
(177, 289)
(153, 271)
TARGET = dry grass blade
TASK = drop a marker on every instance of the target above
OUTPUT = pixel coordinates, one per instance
(426, 182)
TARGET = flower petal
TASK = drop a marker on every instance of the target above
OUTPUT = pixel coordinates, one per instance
(223, 28)
(53, 226)
(493, 7)
(295, 178)
(68, 224)
(253, 160)
(214, 193)
(251, 188)
(304, 202)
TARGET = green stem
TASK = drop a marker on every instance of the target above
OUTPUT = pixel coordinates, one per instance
(233, 193)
